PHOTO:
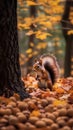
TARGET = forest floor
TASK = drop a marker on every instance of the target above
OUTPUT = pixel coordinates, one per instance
(44, 110)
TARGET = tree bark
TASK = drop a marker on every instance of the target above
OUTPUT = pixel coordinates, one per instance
(10, 73)
(66, 25)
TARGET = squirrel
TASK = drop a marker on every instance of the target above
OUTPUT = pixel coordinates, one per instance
(47, 71)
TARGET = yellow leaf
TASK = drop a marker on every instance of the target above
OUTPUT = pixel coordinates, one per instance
(39, 46)
(35, 52)
(30, 33)
(30, 55)
(59, 102)
(23, 26)
(32, 44)
(42, 35)
(70, 32)
(31, 3)
(46, 24)
(44, 45)
(29, 51)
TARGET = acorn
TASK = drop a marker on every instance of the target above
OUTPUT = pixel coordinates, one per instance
(26, 100)
(3, 121)
(3, 128)
(61, 122)
(60, 106)
(50, 116)
(62, 112)
(8, 111)
(47, 121)
(66, 128)
(56, 114)
(70, 112)
(42, 115)
(2, 112)
(40, 124)
(31, 105)
(40, 106)
(65, 118)
(19, 113)
(13, 120)
(54, 126)
(50, 100)
(10, 127)
(44, 102)
(29, 126)
(26, 113)
(70, 122)
(13, 99)
(20, 126)
(6, 117)
(33, 119)
(15, 110)
(22, 118)
(22, 105)
(13, 104)
(5, 111)
(49, 108)
(9, 106)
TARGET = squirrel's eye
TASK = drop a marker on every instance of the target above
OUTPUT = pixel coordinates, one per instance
(37, 66)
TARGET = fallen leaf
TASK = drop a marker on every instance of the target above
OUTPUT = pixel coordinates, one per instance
(60, 90)
(59, 102)
(65, 96)
(35, 113)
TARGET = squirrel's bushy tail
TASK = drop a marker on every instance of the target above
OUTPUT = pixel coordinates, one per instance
(51, 65)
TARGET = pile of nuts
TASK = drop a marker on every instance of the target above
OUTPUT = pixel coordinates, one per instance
(35, 113)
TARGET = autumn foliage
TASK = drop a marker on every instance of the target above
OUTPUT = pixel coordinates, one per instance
(39, 24)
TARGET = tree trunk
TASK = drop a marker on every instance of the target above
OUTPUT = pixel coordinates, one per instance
(68, 38)
(10, 74)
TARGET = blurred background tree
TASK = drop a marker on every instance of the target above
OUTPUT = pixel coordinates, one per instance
(67, 27)
(42, 29)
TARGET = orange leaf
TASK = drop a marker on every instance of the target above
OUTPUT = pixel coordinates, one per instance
(60, 90)
(4, 100)
(35, 113)
(46, 94)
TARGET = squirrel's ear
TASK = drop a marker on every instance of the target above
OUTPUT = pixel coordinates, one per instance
(40, 61)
